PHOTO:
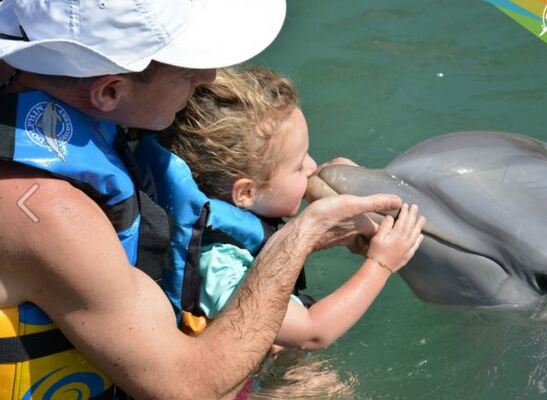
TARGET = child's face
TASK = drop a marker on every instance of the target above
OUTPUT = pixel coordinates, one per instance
(284, 192)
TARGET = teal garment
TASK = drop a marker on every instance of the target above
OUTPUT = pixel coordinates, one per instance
(222, 268)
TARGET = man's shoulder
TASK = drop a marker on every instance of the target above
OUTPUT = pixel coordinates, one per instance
(44, 225)
(25, 184)
(34, 206)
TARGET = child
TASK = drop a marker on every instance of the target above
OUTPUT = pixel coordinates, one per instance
(246, 142)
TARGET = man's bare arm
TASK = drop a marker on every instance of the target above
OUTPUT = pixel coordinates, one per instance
(72, 265)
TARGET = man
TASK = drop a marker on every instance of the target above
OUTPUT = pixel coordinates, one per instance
(73, 223)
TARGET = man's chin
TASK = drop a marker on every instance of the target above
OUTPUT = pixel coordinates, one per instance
(161, 125)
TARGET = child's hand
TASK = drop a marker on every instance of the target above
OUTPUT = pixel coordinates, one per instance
(394, 244)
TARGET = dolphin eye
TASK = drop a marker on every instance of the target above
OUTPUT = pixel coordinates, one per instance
(541, 280)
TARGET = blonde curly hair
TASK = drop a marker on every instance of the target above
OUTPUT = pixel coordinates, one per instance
(225, 132)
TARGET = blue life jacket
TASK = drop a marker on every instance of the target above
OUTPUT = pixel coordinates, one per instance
(51, 136)
(39, 131)
(168, 180)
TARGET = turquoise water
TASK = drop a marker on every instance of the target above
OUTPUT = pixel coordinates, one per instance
(376, 78)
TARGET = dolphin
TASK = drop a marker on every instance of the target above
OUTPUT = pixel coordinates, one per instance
(48, 124)
(484, 195)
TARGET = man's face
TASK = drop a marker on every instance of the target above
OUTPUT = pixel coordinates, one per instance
(153, 105)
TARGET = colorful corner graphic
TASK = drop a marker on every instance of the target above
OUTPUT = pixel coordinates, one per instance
(531, 14)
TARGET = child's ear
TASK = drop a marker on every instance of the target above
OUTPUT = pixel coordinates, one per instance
(243, 193)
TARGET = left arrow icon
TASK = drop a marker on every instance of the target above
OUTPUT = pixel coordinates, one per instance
(22, 206)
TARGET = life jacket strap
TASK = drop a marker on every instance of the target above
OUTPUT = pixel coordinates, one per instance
(154, 253)
(8, 112)
(192, 279)
(35, 345)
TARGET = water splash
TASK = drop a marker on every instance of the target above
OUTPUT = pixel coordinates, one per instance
(297, 375)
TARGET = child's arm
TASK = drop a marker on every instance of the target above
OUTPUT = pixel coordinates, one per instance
(328, 319)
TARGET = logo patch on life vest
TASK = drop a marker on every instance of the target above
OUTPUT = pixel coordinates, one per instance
(48, 125)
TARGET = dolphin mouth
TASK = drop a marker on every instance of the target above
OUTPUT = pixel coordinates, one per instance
(318, 188)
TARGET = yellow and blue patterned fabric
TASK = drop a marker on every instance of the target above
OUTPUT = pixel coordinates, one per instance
(63, 375)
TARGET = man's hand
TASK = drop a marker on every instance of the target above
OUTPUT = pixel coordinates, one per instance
(337, 220)
(358, 228)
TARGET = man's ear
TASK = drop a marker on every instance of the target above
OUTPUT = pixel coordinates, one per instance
(243, 193)
(107, 91)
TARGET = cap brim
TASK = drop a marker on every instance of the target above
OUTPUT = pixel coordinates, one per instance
(52, 56)
(61, 57)
(227, 33)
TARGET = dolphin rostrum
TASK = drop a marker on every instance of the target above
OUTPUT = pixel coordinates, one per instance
(484, 195)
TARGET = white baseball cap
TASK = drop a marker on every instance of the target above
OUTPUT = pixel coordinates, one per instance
(83, 38)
